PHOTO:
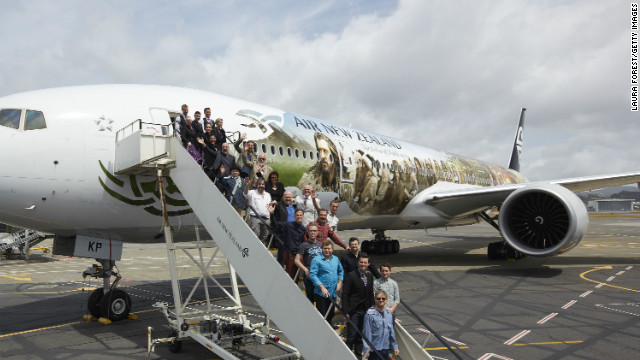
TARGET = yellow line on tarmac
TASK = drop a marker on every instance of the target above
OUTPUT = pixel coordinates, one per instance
(551, 343)
(40, 329)
(47, 292)
(446, 348)
(79, 322)
(600, 282)
(17, 277)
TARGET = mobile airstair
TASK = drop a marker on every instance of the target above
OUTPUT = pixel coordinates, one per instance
(158, 153)
(22, 241)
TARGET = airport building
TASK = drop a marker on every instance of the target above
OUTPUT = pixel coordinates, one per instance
(611, 205)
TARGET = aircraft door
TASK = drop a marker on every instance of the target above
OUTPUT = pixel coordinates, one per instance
(159, 117)
(347, 171)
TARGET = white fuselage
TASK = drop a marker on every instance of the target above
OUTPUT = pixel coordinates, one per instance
(51, 179)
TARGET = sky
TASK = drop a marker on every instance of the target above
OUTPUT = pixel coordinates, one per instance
(451, 75)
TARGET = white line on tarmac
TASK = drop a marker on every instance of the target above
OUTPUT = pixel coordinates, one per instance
(567, 305)
(488, 356)
(517, 337)
(545, 319)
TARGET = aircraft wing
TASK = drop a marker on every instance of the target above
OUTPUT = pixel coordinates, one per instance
(599, 182)
(463, 201)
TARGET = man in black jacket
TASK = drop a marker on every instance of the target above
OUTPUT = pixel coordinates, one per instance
(292, 234)
(349, 260)
(357, 298)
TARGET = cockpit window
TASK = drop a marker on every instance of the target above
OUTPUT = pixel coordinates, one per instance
(34, 120)
(10, 118)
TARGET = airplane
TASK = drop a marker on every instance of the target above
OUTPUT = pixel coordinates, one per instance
(60, 173)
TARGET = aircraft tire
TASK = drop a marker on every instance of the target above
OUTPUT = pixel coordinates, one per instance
(388, 247)
(366, 246)
(93, 304)
(115, 305)
(374, 248)
(175, 346)
(493, 251)
(396, 246)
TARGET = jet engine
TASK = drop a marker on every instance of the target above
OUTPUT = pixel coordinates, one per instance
(543, 220)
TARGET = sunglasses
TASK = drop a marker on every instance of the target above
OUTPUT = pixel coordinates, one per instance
(381, 298)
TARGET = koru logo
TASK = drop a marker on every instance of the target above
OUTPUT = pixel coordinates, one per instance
(519, 141)
(245, 252)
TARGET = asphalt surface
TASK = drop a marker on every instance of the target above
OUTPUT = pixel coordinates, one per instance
(583, 304)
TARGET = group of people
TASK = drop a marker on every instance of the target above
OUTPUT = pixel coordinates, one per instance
(306, 232)
(368, 304)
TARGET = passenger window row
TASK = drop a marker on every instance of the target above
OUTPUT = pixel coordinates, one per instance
(290, 153)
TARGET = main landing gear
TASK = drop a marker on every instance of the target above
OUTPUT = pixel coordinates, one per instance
(499, 249)
(502, 250)
(107, 302)
(381, 244)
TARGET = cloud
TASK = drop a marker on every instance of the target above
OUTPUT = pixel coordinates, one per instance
(451, 75)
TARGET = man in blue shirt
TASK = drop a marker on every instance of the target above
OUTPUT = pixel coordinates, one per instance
(326, 274)
(378, 328)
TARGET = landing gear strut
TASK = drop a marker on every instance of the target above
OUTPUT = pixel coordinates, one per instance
(381, 244)
(107, 301)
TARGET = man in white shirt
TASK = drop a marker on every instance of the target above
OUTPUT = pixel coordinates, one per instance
(180, 120)
(332, 219)
(309, 203)
(258, 209)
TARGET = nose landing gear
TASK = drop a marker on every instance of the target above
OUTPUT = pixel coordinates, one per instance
(111, 304)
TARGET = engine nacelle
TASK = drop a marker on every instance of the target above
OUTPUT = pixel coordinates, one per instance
(543, 219)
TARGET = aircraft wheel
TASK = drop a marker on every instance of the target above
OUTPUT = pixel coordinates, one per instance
(493, 250)
(388, 247)
(374, 248)
(93, 304)
(396, 246)
(176, 345)
(115, 305)
(366, 246)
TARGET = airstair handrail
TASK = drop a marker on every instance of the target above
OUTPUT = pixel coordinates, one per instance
(137, 125)
(413, 313)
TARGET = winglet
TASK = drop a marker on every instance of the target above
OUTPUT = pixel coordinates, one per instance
(514, 163)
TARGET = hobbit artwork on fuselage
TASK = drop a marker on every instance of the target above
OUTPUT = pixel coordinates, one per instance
(372, 174)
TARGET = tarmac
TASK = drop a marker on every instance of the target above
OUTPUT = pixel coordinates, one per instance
(583, 304)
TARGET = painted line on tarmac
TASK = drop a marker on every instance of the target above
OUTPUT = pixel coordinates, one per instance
(488, 356)
(519, 336)
(601, 284)
(18, 277)
(40, 329)
(567, 305)
(550, 343)
(618, 310)
(546, 318)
